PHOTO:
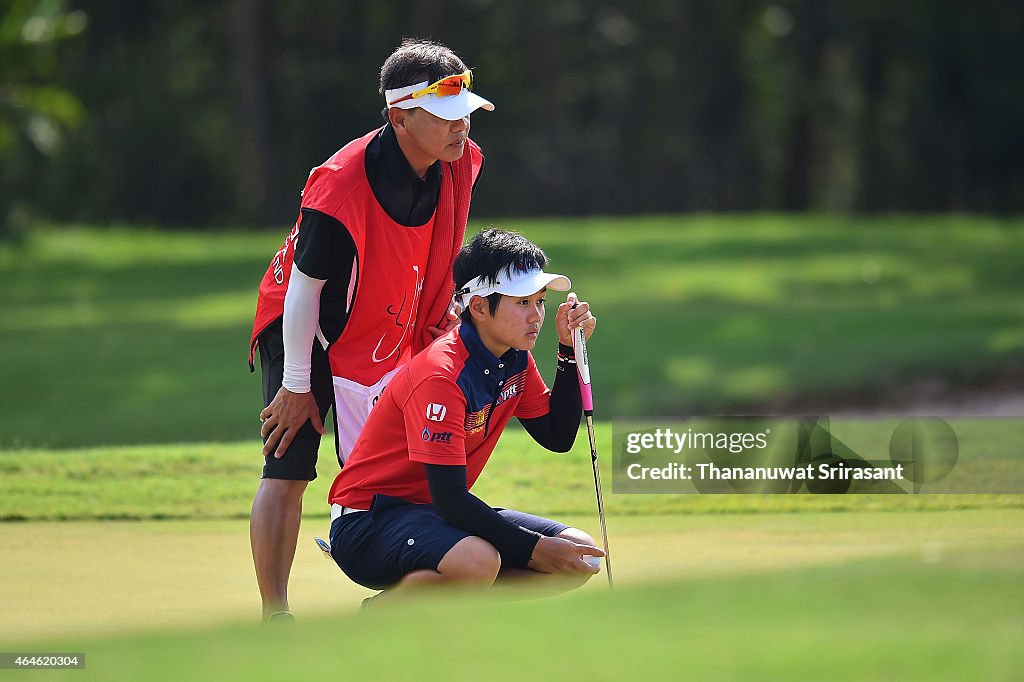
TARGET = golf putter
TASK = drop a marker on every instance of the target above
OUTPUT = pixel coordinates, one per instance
(583, 368)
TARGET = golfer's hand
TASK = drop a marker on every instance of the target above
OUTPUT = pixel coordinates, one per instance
(569, 319)
(561, 556)
(283, 418)
(451, 318)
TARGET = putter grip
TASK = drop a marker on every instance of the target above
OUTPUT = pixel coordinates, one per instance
(579, 342)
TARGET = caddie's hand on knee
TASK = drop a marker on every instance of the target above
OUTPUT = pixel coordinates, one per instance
(569, 319)
(561, 556)
(284, 416)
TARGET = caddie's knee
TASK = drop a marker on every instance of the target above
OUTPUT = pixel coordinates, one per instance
(471, 560)
(277, 492)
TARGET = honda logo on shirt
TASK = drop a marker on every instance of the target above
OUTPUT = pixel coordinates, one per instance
(435, 412)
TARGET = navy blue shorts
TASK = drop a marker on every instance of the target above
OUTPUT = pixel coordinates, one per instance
(377, 548)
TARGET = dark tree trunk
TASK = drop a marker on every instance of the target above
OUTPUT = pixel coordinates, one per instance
(256, 157)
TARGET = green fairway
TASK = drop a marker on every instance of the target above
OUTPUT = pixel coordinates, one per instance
(218, 480)
(128, 336)
(771, 597)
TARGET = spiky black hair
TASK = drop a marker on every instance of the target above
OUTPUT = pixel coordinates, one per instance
(491, 252)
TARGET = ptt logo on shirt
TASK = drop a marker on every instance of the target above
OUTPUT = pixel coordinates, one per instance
(512, 388)
(436, 412)
(507, 393)
(441, 437)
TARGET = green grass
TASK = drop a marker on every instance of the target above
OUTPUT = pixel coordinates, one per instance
(953, 455)
(217, 481)
(950, 616)
(130, 337)
(118, 340)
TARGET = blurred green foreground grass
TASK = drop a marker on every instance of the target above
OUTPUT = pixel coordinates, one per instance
(130, 336)
(942, 618)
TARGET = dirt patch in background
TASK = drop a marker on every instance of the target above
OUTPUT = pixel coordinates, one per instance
(1001, 395)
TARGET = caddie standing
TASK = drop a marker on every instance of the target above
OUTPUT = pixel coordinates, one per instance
(360, 285)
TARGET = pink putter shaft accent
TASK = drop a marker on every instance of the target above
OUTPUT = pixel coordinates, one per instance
(579, 343)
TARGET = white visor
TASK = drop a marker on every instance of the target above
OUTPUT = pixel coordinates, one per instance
(519, 283)
(450, 108)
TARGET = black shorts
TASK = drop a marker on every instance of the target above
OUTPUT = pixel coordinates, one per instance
(378, 547)
(299, 460)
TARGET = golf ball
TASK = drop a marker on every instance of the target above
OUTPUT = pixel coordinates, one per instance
(594, 561)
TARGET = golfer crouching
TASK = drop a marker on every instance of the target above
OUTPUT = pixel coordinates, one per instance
(403, 516)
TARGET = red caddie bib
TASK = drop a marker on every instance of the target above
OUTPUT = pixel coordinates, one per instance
(401, 279)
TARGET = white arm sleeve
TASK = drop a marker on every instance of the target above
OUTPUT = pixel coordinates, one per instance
(301, 320)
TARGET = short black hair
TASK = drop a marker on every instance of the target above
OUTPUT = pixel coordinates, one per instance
(417, 60)
(490, 252)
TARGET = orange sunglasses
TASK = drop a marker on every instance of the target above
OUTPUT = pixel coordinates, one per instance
(447, 86)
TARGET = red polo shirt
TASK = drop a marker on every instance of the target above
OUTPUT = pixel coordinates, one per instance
(448, 405)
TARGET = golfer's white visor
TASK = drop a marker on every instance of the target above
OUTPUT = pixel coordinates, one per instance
(510, 283)
(450, 108)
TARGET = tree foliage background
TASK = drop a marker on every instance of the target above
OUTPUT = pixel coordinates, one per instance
(198, 113)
